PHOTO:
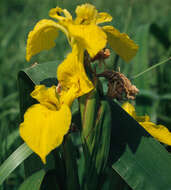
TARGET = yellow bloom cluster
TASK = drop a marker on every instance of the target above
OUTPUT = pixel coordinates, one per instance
(160, 132)
(46, 123)
(84, 29)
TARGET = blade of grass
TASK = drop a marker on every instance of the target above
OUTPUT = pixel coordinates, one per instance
(14, 160)
(150, 68)
(34, 181)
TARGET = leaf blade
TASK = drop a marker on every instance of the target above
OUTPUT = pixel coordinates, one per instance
(14, 160)
(138, 158)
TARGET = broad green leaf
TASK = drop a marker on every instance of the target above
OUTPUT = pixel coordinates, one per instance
(138, 158)
(113, 181)
(34, 181)
(14, 160)
(9, 140)
(44, 73)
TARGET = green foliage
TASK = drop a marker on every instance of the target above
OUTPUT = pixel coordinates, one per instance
(34, 181)
(136, 156)
(13, 161)
(148, 26)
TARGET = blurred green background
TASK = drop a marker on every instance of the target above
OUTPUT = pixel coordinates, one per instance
(147, 22)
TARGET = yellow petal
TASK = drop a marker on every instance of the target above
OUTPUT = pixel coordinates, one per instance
(91, 37)
(103, 17)
(121, 43)
(129, 108)
(41, 37)
(71, 73)
(56, 13)
(160, 132)
(67, 96)
(43, 129)
(86, 14)
(46, 96)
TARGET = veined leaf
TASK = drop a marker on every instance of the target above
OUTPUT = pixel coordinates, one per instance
(137, 157)
(14, 160)
(34, 181)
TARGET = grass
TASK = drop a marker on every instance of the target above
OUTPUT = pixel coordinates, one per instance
(136, 17)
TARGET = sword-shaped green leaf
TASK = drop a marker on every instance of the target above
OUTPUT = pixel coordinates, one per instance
(34, 181)
(138, 158)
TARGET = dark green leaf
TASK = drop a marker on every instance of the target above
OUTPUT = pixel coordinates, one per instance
(34, 181)
(15, 159)
(69, 152)
(138, 158)
(160, 35)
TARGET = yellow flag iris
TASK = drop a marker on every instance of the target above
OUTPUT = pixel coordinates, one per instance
(45, 123)
(84, 29)
(160, 132)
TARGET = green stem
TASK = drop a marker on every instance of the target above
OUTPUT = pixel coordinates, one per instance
(150, 68)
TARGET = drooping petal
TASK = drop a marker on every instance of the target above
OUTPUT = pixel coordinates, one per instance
(86, 14)
(56, 13)
(41, 37)
(103, 17)
(46, 96)
(121, 43)
(43, 129)
(90, 37)
(71, 73)
(129, 108)
(160, 132)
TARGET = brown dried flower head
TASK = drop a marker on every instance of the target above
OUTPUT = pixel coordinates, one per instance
(119, 86)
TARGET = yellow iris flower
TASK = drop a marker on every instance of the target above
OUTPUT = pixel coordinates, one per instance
(46, 123)
(84, 29)
(160, 132)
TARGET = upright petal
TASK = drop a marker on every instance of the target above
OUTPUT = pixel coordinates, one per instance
(46, 96)
(43, 129)
(71, 73)
(160, 132)
(41, 37)
(91, 37)
(86, 14)
(121, 43)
